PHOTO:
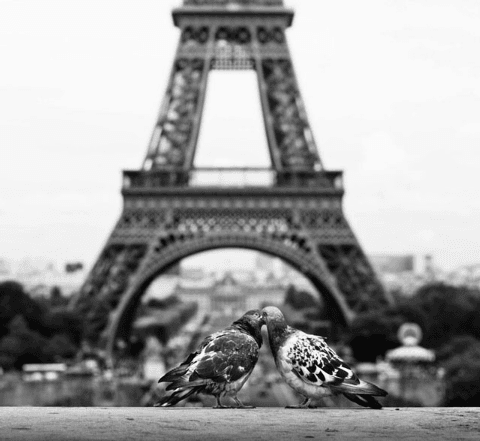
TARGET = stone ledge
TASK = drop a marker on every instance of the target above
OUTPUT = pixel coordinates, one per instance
(187, 423)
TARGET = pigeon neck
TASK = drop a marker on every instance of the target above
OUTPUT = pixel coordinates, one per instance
(277, 332)
(247, 327)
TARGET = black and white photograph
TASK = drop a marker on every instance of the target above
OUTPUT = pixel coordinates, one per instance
(239, 219)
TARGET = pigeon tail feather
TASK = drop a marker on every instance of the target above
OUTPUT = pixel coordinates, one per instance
(362, 388)
(169, 378)
(185, 384)
(177, 396)
(372, 389)
(364, 400)
(178, 372)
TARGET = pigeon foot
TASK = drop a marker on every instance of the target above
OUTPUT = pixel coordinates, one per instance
(219, 405)
(305, 404)
(240, 405)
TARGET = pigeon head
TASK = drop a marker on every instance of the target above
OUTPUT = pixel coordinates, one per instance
(252, 322)
(273, 315)
(276, 325)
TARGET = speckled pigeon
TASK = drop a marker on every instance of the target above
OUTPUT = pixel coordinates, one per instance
(221, 365)
(311, 367)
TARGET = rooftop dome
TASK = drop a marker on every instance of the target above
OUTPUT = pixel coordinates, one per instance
(410, 354)
(410, 335)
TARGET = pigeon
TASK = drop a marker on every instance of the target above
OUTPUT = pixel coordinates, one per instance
(311, 367)
(220, 366)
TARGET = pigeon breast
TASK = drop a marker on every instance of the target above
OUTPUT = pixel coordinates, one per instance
(315, 362)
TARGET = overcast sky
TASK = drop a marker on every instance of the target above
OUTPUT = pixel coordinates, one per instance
(392, 90)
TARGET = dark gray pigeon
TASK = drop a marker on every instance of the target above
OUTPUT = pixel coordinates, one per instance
(311, 367)
(221, 365)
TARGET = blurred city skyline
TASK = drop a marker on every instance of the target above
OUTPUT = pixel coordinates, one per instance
(391, 90)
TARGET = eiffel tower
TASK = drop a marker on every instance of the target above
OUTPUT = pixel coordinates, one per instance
(296, 214)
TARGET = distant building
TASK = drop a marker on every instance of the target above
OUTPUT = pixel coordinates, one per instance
(39, 276)
(5, 269)
(388, 263)
(405, 273)
(43, 371)
(227, 299)
(192, 273)
(220, 297)
(72, 267)
(468, 275)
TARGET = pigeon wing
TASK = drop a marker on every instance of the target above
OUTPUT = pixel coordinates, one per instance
(184, 369)
(227, 357)
(316, 363)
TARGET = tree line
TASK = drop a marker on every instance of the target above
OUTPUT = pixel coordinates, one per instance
(41, 330)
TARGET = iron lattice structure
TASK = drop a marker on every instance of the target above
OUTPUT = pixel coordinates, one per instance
(168, 214)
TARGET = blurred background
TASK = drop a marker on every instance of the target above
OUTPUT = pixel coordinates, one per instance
(392, 94)
(425, 350)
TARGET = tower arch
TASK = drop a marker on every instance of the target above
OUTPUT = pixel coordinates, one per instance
(120, 324)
